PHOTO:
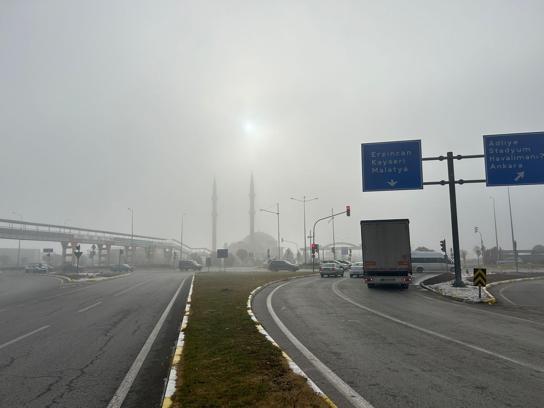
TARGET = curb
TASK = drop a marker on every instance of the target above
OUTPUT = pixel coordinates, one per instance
(515, 280)
(490, 301)
(292, 365)
(167, 399)
(67, 279)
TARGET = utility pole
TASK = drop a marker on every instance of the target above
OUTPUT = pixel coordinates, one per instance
(181, 239)
(514, 243)
(333, 239)
(277, 213)
(304, 201)
(131, 235)
(496, 234)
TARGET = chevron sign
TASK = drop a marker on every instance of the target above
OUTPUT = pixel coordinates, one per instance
(479, 278)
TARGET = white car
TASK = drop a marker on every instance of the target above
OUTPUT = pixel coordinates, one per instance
(356, 270)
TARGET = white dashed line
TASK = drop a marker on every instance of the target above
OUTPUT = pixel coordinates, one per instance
(89, 307)
(122, 292)
(24, 336)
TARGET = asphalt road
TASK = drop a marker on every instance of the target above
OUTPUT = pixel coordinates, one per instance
(406, 348)
(524, 295)
(72, 345)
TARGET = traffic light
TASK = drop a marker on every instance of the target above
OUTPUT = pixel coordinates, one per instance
(443, 245)
(312, 246)
(348, 210)
(475, 230)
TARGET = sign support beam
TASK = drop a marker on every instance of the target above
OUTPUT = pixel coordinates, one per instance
(451, 182)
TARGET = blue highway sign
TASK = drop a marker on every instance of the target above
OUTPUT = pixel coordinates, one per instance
(392, 166)
(514, 159)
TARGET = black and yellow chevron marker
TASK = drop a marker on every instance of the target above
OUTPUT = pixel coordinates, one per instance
(480, 278)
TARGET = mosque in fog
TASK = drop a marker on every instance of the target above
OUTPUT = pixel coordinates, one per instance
(256, 244)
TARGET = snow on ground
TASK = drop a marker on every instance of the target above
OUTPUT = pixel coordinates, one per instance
(468, 293)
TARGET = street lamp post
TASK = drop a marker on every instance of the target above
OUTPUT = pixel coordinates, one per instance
(19, 247)
(277, 212)
(496, 233)
(514, 243)
(131, 235)
(304, 201)
(181, 238)
(482, 248)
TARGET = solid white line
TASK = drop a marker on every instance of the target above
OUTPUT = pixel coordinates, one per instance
(123, 389)
(122, 292)
(24, 336)
(504, 296)
(89, 307)
(435, 334)
(349, 393)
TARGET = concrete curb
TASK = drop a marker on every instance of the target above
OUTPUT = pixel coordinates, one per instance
(515, 280)
(167, 400)
(490, 301)
(67, 279)
(292, 365)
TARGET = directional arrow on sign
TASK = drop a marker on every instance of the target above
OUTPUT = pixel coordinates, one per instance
(392, 183)
(520, 175)
(479, 278)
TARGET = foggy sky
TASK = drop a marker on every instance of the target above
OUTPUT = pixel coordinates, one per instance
(106, 105)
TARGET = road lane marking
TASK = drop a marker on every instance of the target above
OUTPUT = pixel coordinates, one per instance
(24, 336)
(349, 393)
(435, 334)
(122, 292)
(474, 310)
(89, 307)
(122, 391)
(504, 296)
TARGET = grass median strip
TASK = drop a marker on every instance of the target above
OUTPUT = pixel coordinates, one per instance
(226, 361)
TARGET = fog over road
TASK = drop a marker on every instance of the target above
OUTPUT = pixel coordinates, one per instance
(411, 348)
(71, 345)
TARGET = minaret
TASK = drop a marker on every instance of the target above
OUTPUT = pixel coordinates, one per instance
(214, 218)
(251, 209)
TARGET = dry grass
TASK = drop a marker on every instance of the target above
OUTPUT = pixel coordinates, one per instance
(226, 361)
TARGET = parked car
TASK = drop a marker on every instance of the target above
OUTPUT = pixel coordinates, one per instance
(37, 268)
(331, 269)
(121, 268)
(186, 265)
(282, 265)
(356, 270)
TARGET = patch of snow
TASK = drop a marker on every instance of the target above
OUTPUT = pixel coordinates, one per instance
(468, 293)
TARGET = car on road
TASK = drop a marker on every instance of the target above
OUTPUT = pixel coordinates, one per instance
(282, 265)
(37, 268)
(189, 265)
(331, 269)
(356, 270)
(121, 268)
(346, 264)
(430, 261)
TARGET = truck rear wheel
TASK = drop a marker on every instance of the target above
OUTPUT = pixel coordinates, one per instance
(370, 285)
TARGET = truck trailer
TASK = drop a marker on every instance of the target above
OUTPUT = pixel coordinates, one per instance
(386, 252)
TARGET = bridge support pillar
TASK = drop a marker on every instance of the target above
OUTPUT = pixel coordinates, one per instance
(68, 256)
(167, 256)
(104, 254)
(149, 252)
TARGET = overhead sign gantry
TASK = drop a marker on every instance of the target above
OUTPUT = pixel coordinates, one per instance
(510, 159)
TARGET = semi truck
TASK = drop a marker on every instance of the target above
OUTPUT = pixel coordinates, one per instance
(386, 252)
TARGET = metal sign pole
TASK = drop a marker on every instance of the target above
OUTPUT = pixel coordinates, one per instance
(454, 223)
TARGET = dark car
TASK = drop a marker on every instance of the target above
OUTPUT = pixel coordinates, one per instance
(282, 265)
(121, 268)
(189, 265)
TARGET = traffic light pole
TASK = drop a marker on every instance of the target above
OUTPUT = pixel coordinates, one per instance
(458, 282)
(313, 233)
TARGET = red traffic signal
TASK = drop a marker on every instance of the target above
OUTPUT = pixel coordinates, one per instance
(348, 210)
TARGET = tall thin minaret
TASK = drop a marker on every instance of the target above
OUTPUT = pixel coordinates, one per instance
(214, 218)
(251, 208)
